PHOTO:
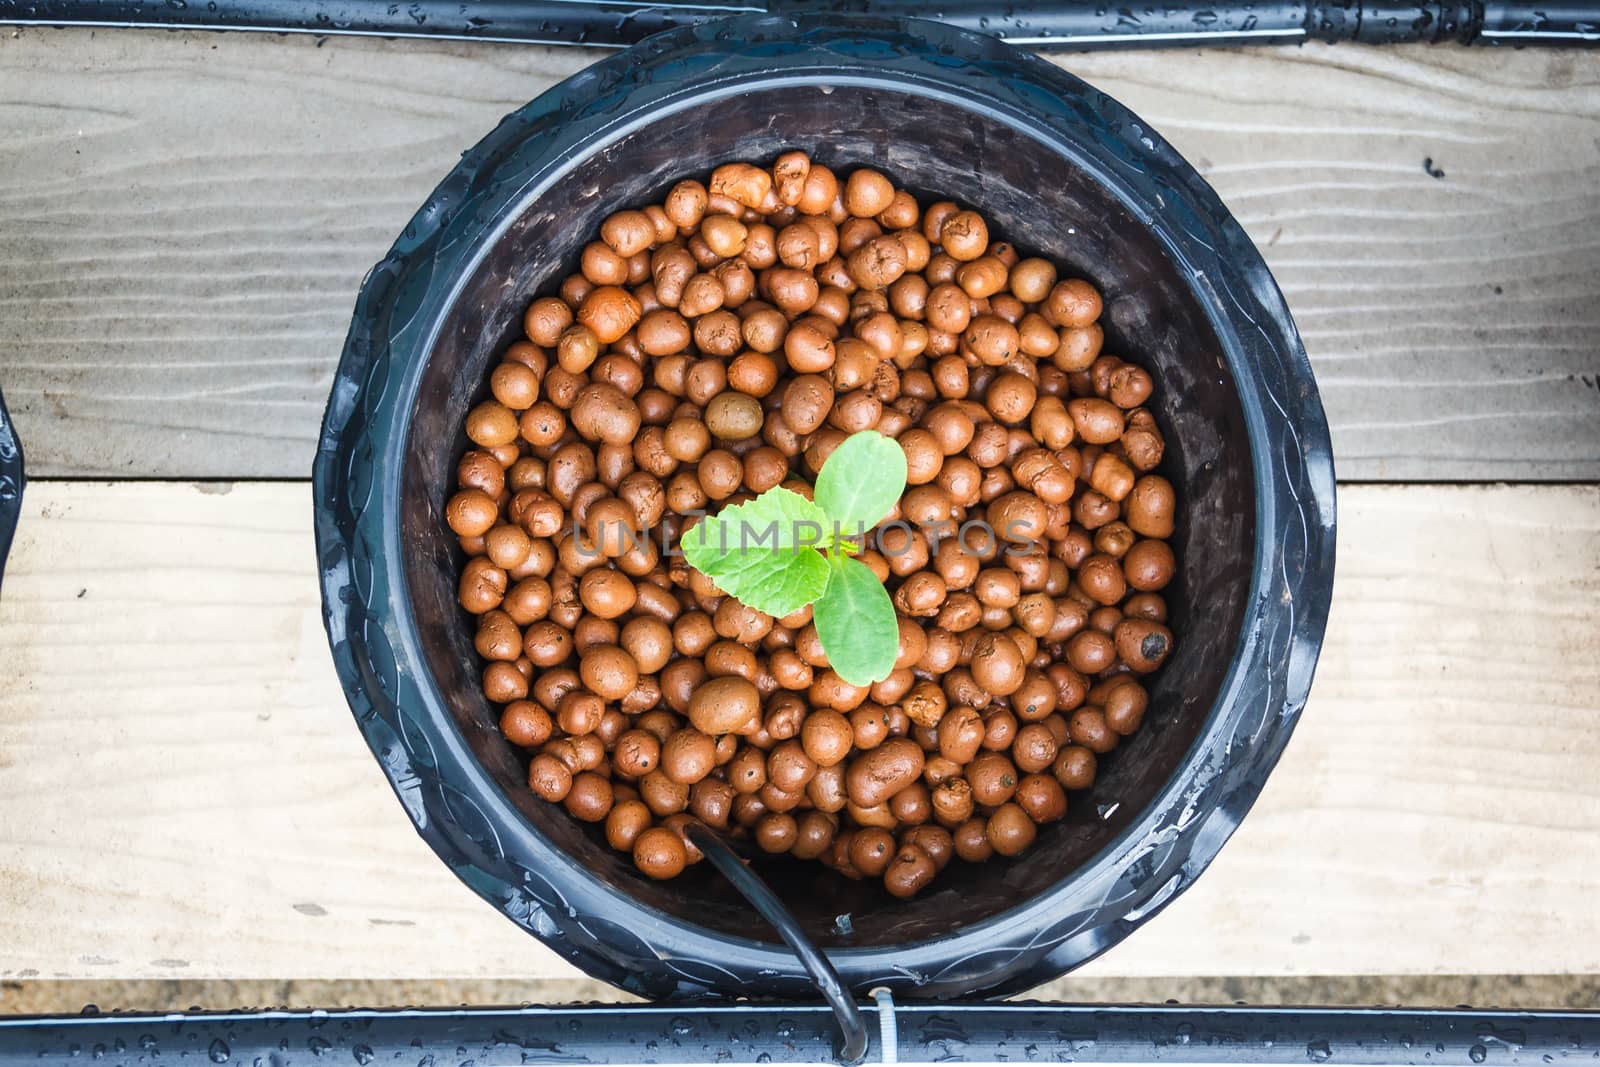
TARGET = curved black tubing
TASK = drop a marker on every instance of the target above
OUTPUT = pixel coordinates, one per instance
(853, 1043)
(11, 482)
(1060, 25)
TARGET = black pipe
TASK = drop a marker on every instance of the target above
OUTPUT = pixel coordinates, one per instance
(11, 482)
(1056, 26)
(852, 1027)
(568, 22)
(740, 1034)
(1105, 24)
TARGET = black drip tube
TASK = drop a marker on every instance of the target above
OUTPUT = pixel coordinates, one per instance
(853, 1027)
(1063, 25)
(11, 483)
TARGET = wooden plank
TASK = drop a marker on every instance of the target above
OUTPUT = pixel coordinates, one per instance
(184, 220)
(184, 795)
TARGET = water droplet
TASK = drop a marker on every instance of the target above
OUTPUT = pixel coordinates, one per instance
(765, 1057)
(74, 1049)
(363, 1054)
(1318, 1051)
(90, 1009)
(318, 1045)
(682, 1025)
(1478, 1053)
(1184, 1033)
(147, 1042)
(219, 1051)
(1511, 1037)
(317, 1018)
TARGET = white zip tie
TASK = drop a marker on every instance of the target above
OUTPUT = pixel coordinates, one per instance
(888, 1034)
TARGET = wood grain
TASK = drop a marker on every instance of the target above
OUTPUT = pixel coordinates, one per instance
(185, 218)
(183, 793)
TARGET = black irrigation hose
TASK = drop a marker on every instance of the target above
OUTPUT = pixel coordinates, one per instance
(853, 1045)
(1058, 25)
(11, 482)
(737, 1034)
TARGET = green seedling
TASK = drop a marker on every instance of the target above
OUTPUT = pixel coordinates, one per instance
(779, 552)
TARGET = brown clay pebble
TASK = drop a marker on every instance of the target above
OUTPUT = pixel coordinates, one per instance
(1010, 831)
(1149, 565)
(814, 835)
(1074, 302)
(526, 724)
(725, 706)
(871, 851)
(1034, 748)
(734, 416)
(972, 841)
(549, 778)
(997, 664)
(877, 775)
(636, 753)
(491, 424)
(660, 853)
(933, 840)
(909, 873)
(1151, 506)
(1075, 767)
(471, 512)
(964, 236)
(609, 312)
(826, 737)
(626, 822)
(1041, 798)
(1141, 644)
(609, 672)
(777, 832)
(1124, 706)
(589, 799)
(993, 779)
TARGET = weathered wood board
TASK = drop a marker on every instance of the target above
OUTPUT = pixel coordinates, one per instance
(185, 218)
(183, 793)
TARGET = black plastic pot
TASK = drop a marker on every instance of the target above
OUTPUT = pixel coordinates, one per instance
(1061, 170)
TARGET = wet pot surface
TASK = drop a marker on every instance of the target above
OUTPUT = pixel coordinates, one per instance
(1058, 170)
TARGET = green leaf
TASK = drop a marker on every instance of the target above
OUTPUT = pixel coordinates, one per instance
(856, 623)
(759, 552)
(861, 482)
